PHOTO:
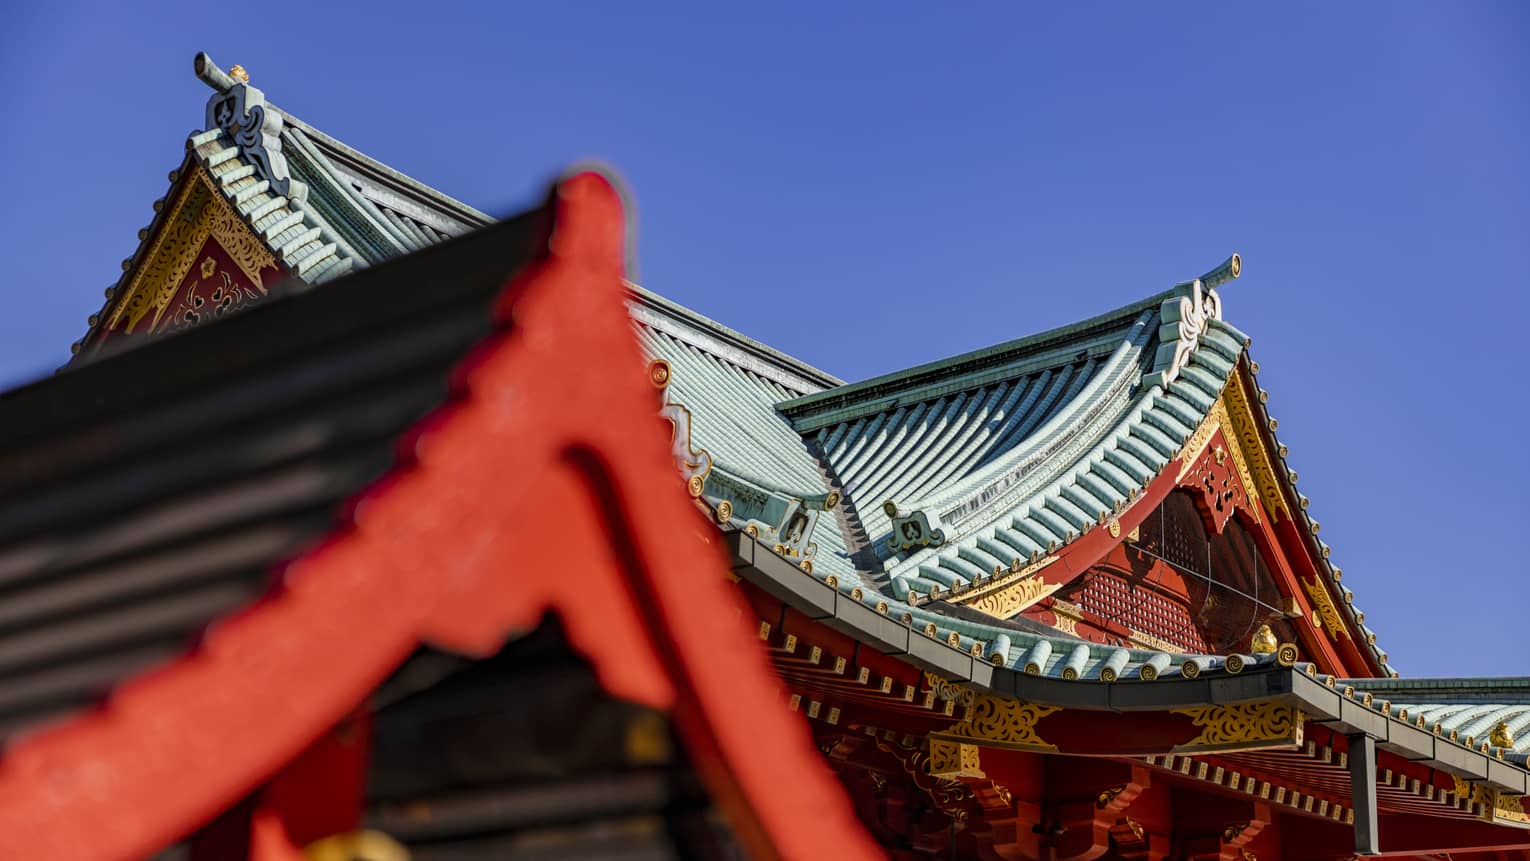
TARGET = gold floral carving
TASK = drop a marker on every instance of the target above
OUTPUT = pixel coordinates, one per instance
(998, 722)
(953, 759)
(1508, 809)
(1327, 612)
(199, 211)
(1142, 640)
(948, 692)
(1010, 592)
(1255, 461)
(1245, 726)
(1219, 418)
(1066, 616)
(658, 373)
(1197, 442)
(1463, 787)
(944, 791)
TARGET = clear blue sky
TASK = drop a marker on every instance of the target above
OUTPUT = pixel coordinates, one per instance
(868, 186)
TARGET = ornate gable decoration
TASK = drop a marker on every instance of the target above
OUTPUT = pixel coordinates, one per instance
(241, 112)
(203, 262)
(1185, 316)
(1228, 462)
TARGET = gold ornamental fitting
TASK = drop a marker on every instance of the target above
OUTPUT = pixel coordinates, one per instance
(1501, 737)
(238, 73)
(1264, 642)
(1286, 654)
(658, 373)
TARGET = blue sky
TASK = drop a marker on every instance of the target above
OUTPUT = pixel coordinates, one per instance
(869, 186)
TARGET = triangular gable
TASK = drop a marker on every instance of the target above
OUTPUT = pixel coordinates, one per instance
(1215, 549)
(312, 209)
(201, 261)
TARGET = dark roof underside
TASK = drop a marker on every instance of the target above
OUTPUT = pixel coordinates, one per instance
(144, 495)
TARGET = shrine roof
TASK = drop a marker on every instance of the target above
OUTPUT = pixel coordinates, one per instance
(1467, 709)
(1016, 451)
(728, 386)
(334, 210)
(1040, 665)
(1012, 452)
(975, 649)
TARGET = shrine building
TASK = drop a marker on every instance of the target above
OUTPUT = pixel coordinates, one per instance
(363, 526)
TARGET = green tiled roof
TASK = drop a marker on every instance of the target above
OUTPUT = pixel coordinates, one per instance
(1017, 459)
(1469, 708)
(1010, 451)
(731, 393)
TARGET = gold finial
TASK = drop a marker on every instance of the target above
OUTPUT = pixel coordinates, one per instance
(238, 73)
(1264, 642)
(1501, 737)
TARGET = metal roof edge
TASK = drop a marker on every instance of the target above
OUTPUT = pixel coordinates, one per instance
(1007, 351)
(346, 156)
(708, 334)
(349, 157)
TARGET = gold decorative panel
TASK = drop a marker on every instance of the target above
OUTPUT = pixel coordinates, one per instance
(1327, 611)
(1245, 726)
(998, 722)
(1009, 592)
(954, 759)
(1255, 461)
(199, 220)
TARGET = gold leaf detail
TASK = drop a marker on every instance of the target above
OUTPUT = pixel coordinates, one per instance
(199, 211)
(1327, 611)
(1253, 459)
(1245, 726)
(998, 722)
(954, 759)
(1008, 592)
(658, 373)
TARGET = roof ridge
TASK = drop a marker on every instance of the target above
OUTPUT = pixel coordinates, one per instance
(209, 73)
(972, 361)
(703, 332)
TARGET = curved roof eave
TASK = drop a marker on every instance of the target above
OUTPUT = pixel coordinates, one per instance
(1098, 476)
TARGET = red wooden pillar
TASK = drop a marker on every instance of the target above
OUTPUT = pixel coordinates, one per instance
(321, 793)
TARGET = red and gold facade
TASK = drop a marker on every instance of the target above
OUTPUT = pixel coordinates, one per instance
(529, 490)
(1144, 768)
(201, 263)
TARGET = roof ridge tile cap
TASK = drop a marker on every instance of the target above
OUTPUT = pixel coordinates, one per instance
(1117, 368)
(1122, 316)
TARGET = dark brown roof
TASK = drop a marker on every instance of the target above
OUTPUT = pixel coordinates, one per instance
(145, 494)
